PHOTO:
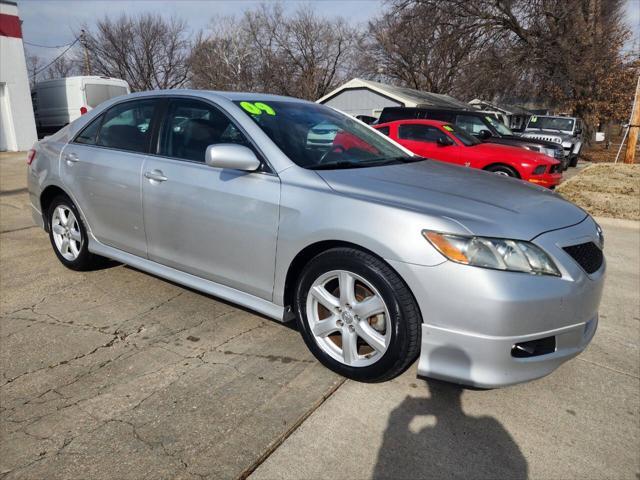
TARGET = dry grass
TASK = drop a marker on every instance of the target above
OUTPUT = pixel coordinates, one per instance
(607, 190)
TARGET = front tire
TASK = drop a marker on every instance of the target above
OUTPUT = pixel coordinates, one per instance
(573, 162)
(68, 236)
(503, 170)
(357, 316)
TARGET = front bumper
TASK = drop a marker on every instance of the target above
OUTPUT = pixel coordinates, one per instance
(473, 317)
(548, 180)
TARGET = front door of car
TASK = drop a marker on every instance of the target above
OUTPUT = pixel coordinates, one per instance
(101, 169)
(423, 140)
(218, 224)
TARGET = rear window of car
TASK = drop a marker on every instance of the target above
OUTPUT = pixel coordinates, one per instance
(384, 130)
(96, 93)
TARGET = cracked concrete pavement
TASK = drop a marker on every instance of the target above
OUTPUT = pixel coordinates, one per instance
(119, 374)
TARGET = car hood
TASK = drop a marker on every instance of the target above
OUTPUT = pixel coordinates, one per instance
(483, 203)
(551, 133)
(518, 140)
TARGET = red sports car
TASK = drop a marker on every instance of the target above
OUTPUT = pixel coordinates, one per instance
(448, 143)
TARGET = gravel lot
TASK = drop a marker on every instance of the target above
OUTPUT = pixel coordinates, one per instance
(118, 374)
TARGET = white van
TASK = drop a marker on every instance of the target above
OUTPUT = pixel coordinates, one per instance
(60, 101)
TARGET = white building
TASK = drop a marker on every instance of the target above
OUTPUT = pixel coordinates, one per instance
(366, 97)
(17, 125)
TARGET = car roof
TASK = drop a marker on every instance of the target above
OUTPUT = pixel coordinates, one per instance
(420, 121)
(471, 110)
(218, 94)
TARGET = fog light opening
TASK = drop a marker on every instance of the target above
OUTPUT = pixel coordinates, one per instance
(534, 348)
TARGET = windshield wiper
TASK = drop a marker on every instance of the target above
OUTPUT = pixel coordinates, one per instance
(365, 163)
(391, 160)
(335, 165)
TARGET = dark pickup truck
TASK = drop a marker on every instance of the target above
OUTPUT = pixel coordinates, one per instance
(478, 123)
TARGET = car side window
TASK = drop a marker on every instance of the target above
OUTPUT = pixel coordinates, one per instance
(127, 126)
(420, 133)
(190, 126)
(89, 135)
(471, 124)
(384, 130)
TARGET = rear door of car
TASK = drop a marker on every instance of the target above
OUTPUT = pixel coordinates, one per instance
(102, 168)
(218, 224)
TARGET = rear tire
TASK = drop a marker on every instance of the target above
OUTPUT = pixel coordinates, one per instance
(357, 316)
(503, 170)
(68, 236)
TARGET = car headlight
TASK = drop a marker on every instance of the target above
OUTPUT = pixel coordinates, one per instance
(495, 253)
(549, 151)
(566, 144)
(600, 235)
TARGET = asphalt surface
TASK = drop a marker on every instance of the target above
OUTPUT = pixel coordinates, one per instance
(118, 374)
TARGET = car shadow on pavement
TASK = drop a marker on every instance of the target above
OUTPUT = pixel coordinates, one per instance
(434, 438)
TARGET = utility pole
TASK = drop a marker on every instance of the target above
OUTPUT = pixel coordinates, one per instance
(634, 126)
(87, 64)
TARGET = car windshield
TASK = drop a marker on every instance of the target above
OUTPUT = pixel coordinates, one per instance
(317, 137)
(551, 123)
(466, 139)
(498, 125)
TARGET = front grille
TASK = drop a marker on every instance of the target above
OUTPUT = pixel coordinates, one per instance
(546, 138)
(588, 255)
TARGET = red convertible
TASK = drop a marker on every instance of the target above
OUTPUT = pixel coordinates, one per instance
(448, 143)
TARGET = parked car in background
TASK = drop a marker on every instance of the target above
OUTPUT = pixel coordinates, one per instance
(449, 143)
(482, 125)
(60, 101)
(380, 255)
(565, 131)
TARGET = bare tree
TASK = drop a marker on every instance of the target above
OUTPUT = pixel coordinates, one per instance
(34, 64)
(224, 59)
(420, 47)
(147, 51)
(566, 52)
(301, 55)
(63, 67)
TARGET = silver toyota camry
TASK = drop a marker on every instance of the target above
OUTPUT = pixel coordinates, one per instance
(302, 213)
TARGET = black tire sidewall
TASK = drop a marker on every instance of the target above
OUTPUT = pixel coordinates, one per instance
(371, 271)
(84, 257)
(503, 168)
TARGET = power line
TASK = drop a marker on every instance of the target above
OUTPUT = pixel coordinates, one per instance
(54, 60)
(46, 46)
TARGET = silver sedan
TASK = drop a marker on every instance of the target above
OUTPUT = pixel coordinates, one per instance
(379, 255)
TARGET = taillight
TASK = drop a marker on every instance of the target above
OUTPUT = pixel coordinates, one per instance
(30, 156)
(83, 110)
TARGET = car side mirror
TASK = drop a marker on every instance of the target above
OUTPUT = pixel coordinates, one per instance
(484, 134)
(231, 156)
(444, 141)
(578, 131)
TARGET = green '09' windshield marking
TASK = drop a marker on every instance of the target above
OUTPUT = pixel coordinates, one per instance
(257, 108)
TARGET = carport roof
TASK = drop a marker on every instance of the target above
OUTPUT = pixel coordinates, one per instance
(407, 96)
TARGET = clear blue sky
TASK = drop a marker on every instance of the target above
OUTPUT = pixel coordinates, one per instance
(52, 22)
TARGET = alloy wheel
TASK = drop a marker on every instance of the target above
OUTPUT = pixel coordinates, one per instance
(66, 232)
(348, 318)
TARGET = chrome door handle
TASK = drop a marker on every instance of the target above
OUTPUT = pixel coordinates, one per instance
(155, 175)
(71, 158)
